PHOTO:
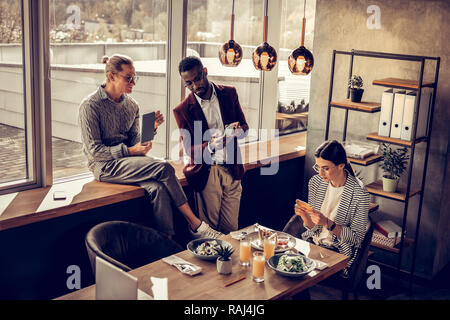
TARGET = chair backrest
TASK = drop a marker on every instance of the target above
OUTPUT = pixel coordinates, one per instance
(359, 265)
(127, 245)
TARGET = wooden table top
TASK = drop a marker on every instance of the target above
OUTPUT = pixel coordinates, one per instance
(210, 285)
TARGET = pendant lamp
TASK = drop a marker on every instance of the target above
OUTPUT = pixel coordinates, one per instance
(301, 60)
(230, 54)
(265, 56)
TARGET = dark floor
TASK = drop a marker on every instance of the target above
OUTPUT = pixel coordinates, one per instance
(394, 287)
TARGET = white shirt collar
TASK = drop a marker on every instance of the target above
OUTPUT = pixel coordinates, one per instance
(213, 94)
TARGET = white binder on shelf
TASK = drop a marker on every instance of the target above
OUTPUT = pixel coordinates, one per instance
(387, 99)
(408, 115)
(397, 114)
(425, 101)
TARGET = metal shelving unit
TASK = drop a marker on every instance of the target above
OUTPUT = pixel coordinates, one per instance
(406, 192)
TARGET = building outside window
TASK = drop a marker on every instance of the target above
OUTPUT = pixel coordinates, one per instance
(81, 33)
(208, 27)
(293, 90)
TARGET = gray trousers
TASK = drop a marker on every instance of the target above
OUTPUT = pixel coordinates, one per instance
(218, 203)
(157, 178)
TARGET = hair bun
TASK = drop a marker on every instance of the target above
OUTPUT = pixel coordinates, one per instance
(105, 59)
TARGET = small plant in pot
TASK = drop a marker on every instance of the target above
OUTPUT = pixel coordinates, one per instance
(394, 164)
(224, 263)
(355, 84)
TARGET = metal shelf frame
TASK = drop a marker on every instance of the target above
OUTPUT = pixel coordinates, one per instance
(420, 84)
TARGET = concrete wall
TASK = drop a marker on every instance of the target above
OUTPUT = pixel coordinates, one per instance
(407, 27)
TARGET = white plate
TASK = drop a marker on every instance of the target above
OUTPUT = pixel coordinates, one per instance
(256, 243)
(273, 263)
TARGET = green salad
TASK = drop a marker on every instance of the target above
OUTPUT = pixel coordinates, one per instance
(207, 248)
(291, 263)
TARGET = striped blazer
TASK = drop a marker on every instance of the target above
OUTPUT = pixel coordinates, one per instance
(352, 215)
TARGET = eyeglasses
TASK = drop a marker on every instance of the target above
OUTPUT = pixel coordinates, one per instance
(317, 168)
(198, 78)
(130, 79)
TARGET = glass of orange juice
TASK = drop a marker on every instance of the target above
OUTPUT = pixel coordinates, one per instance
(269, 247)
(245, 251)
(258, 266)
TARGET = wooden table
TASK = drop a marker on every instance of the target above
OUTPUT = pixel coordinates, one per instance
(209, 285)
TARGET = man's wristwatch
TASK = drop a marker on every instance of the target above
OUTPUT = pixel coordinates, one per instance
(211, 150)
(333, 225)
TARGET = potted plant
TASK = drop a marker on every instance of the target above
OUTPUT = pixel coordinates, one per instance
(355, 84)
(393, 165)
(224, 263)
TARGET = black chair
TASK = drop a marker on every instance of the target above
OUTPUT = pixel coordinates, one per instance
(127, 245)
(357, 270)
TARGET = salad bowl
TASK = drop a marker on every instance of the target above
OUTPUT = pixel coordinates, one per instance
(204, 248)
(291, 265)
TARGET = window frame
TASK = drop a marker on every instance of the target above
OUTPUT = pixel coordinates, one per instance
(37, 109)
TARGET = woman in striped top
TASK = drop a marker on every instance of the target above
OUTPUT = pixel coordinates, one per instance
(338, 216)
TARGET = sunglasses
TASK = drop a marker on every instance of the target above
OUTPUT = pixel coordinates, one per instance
(130, 79)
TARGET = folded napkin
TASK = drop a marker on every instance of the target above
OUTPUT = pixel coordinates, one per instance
(143, 296)
(182, 265)
(304, 247)
(159, 288)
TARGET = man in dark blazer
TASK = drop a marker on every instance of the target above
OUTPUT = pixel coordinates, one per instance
(215, 168)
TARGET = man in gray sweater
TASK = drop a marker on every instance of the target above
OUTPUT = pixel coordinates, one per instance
(109, 121)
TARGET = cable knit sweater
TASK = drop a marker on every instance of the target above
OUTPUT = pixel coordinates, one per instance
(108, 128)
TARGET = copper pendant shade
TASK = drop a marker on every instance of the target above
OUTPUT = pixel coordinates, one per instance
(230, 54)
(265, 56)
(301, 60)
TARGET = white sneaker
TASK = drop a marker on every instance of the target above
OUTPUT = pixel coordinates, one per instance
(205, 231)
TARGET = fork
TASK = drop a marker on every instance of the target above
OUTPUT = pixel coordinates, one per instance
(185, 266)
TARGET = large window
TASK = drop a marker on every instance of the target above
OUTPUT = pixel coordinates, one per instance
(81, 33)
(293, 90)
(14, 164)
(208, 27)
(39, 133)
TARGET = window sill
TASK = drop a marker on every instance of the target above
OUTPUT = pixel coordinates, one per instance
(22, 208)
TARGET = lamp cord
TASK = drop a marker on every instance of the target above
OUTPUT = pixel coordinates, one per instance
(232, 22)
(304, 8)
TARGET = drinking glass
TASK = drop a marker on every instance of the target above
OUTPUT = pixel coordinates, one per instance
(258, 266)
(269, 247)
(245, 251)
